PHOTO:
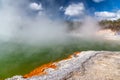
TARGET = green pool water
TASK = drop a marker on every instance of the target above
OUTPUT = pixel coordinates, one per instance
(21, 58)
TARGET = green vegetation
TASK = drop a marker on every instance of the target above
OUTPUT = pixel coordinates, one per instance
(108, 24)
(104, 24)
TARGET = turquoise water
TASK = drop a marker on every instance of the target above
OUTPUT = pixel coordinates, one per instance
(21, 58)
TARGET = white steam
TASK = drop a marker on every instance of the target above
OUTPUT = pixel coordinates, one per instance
(14, 25)
(89, 27)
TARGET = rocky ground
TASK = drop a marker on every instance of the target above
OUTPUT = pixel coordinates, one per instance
(86, 65)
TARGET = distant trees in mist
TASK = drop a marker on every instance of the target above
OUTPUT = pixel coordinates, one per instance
(104, 24)
(109, 24)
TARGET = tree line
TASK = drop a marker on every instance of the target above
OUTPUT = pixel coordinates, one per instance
(114, 25)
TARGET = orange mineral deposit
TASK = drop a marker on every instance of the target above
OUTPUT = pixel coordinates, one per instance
(40, 70)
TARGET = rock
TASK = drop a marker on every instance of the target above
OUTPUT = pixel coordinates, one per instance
(16, 78)
(101, 67)
(87, 65)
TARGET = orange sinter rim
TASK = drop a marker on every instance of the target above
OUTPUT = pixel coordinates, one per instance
(41, 70)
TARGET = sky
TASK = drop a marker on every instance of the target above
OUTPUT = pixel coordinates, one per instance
(74, 9)
(77, 9)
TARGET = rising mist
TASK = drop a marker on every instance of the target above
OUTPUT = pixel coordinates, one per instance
(16, 26)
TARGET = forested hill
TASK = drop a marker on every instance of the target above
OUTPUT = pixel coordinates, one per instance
(114, 25)
(109, 24)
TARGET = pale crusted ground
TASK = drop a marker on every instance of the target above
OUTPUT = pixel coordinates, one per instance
(101, 67)
(108, 34)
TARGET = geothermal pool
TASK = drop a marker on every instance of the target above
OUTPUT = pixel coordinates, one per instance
(20, 58)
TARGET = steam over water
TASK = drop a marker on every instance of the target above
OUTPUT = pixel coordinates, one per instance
(27, 42)
(19, 59)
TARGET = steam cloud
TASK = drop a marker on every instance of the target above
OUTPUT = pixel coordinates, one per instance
(15, 25)
(89, 27)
